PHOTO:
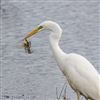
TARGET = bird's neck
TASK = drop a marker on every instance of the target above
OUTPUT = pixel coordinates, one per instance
(54, 43)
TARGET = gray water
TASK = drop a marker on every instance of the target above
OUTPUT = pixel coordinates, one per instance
(36, 76)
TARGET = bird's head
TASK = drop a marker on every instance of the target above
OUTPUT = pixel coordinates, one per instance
(48, 25)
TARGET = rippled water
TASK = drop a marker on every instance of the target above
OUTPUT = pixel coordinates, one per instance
(37, 75)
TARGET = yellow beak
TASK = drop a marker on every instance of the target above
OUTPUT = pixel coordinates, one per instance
(34, 31)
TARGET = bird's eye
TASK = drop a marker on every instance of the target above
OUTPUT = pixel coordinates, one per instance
(40, 27)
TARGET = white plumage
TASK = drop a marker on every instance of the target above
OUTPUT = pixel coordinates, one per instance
(80, 73)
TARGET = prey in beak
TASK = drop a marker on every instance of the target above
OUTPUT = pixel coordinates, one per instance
(27, 46)
(26, 43)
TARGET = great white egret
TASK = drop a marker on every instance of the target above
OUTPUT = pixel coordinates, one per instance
(80, 73)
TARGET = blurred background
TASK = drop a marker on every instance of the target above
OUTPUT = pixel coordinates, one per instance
(36, 76)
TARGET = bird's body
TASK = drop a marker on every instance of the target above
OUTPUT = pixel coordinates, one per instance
(80, 73)
(80, 77)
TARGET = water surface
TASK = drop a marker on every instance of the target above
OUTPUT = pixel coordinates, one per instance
(36, 75)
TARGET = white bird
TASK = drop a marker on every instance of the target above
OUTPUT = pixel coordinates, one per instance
(80, 73)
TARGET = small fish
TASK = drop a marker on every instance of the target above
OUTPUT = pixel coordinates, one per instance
(27, 46)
